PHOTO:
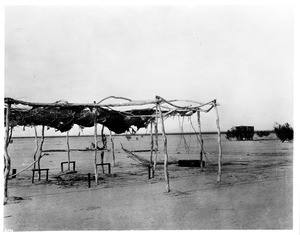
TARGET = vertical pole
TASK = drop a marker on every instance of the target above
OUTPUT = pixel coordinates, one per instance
(7, 160)
(112, 148)
(41, 150)
(201, 140)
(151, 172)
(103, 138)
(36, 147)
(219, 142)
(68, 150)
(156, 138)
(165, 148)
(96, 146)
(151, 144)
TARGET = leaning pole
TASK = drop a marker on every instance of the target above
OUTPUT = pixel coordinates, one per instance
(219, 142)
(165, 147)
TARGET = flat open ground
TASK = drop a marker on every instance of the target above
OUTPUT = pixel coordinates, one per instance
(256, 192)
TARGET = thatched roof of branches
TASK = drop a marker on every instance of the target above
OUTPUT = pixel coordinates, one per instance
(63, 115)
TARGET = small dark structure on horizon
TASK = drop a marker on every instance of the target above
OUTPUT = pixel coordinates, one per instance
(241, 133)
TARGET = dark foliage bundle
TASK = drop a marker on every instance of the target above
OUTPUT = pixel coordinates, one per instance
(239, 134)
(263, 133)
(63, 118)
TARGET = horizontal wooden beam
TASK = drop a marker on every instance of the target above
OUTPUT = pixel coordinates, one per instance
(66, 104)
(95, 105)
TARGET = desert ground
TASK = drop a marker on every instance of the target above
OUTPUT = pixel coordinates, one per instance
(256, 192)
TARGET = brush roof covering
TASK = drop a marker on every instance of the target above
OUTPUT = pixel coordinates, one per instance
(63, 115)
(63, 118)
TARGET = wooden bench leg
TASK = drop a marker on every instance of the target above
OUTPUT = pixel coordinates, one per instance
(149, 172)
(32, 180)
(89, 180)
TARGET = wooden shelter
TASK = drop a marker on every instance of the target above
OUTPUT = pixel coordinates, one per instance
(63, 115)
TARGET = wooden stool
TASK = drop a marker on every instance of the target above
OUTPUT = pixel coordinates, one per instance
(104, 164)
(39, 170)
(62, 165)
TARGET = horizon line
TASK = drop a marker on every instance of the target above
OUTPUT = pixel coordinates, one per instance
(137, 134)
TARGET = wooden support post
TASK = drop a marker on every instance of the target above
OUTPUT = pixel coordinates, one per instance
(36, 147)
(96, 146)
(151, 143)
(201, 140)
(219, 142)
(103, 138)
(165, 148)
(68, 150)
(156, 138)
(41, 150)
(112, 148)
(7, 161)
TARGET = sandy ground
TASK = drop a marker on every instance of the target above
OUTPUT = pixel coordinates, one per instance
(256, 192)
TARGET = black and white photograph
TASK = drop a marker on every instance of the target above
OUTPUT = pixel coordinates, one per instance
(149, 117)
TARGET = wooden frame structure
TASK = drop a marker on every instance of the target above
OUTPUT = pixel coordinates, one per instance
(159, 111)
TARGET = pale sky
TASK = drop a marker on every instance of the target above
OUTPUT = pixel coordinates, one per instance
(240, 55)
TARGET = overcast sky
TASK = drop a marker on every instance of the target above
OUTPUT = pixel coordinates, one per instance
(240, 55)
